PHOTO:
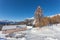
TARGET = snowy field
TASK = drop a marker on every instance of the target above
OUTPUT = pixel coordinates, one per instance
(45, 33)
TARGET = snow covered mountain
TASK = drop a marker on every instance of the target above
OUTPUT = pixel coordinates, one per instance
(27, 20)
(5, 22)
(51, 32)
(53, 15)
(56, 17)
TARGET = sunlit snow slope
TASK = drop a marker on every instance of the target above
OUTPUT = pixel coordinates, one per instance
(45, 33)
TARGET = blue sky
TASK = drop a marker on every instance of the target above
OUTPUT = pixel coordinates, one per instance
(18, 10)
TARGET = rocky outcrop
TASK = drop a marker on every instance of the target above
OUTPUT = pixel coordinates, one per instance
(38, 16)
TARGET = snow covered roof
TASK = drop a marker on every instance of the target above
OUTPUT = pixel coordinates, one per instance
(13, 27)
(9, 27)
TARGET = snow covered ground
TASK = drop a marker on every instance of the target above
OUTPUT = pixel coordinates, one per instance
(45, 33)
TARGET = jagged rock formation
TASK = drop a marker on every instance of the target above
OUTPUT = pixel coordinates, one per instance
(38, 16)
(40, 21)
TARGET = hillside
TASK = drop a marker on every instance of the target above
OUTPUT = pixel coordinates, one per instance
(45, 33)
(51, 32)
